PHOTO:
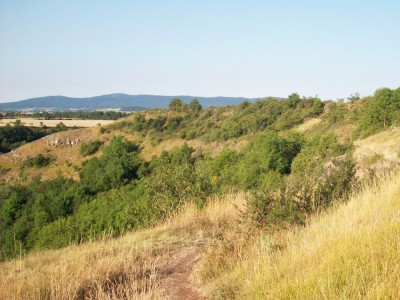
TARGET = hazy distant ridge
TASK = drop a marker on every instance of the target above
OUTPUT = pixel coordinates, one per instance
(114, 101)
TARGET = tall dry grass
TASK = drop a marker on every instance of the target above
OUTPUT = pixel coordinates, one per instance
(349, 252)
(108, 269)
(122, 268)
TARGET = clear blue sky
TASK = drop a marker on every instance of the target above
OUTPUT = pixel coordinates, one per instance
(202, 48)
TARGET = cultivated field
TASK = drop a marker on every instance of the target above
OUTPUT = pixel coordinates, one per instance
(53, 123)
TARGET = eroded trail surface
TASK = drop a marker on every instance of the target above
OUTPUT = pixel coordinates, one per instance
(177, 274)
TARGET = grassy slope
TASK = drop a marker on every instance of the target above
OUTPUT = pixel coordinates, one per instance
(380, 151)
(129, 266)
(350, 252)
(68, 159)
(65, 157)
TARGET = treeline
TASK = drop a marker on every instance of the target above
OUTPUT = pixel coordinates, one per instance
(12, 137)
(59, 115)
(368, 115)
(119, 192)
(189, 121)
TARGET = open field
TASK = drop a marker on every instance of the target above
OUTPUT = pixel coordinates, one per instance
(53, 123)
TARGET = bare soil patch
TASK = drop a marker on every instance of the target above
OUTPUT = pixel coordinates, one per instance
(178, 284)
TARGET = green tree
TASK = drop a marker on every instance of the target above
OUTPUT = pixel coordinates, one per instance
(173, 180)
(354, 98)
(383, 106)
(61, 127)
(139, 123)
(176, 105)
(195, 106)
(293, 100)
(223, 170)
(268, 152)
(317, 106)
(116, 167)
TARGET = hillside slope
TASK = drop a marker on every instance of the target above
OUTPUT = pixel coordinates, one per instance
(349, 252)
(142, 265)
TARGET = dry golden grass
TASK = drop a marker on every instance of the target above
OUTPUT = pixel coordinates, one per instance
(101, 270)
(308, 125)
(379, 152)
(150, 150)
(349, 252)
(219, 210)
(68, 158)
(123, 268)
(65, 157)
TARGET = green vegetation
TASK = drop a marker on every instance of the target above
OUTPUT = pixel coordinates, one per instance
(38, 161)
(12, 137)
(368, 115)
(190, 121)
(290, 175)
(90, 147)
(118, 191)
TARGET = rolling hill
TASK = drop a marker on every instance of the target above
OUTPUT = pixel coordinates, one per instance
(112, 101)
(280, 199)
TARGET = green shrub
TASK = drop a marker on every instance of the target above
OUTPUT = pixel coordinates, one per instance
(90, 147)
(174, 180)
(116, 167)
(223, 170)
(174, 123)
(268, 152)
(38, 161)
(57, 234)
(319, 174)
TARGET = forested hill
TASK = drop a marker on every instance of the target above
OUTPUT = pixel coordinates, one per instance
(114, 101)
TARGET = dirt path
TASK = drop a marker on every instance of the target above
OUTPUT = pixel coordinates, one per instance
(177, 283)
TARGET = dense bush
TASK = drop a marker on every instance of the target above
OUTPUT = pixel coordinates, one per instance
(320, 173)
(116, 167)
(38, 161)
(90, 147)
(119, 192)
(12, 137)
(174, 180)
(223, 171)
(268, 152)
(381, 111)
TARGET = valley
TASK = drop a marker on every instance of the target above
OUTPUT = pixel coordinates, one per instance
(271, 199)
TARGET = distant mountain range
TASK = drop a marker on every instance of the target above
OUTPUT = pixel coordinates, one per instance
(122, 102)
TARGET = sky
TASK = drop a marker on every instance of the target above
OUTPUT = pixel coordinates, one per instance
(247, 48)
